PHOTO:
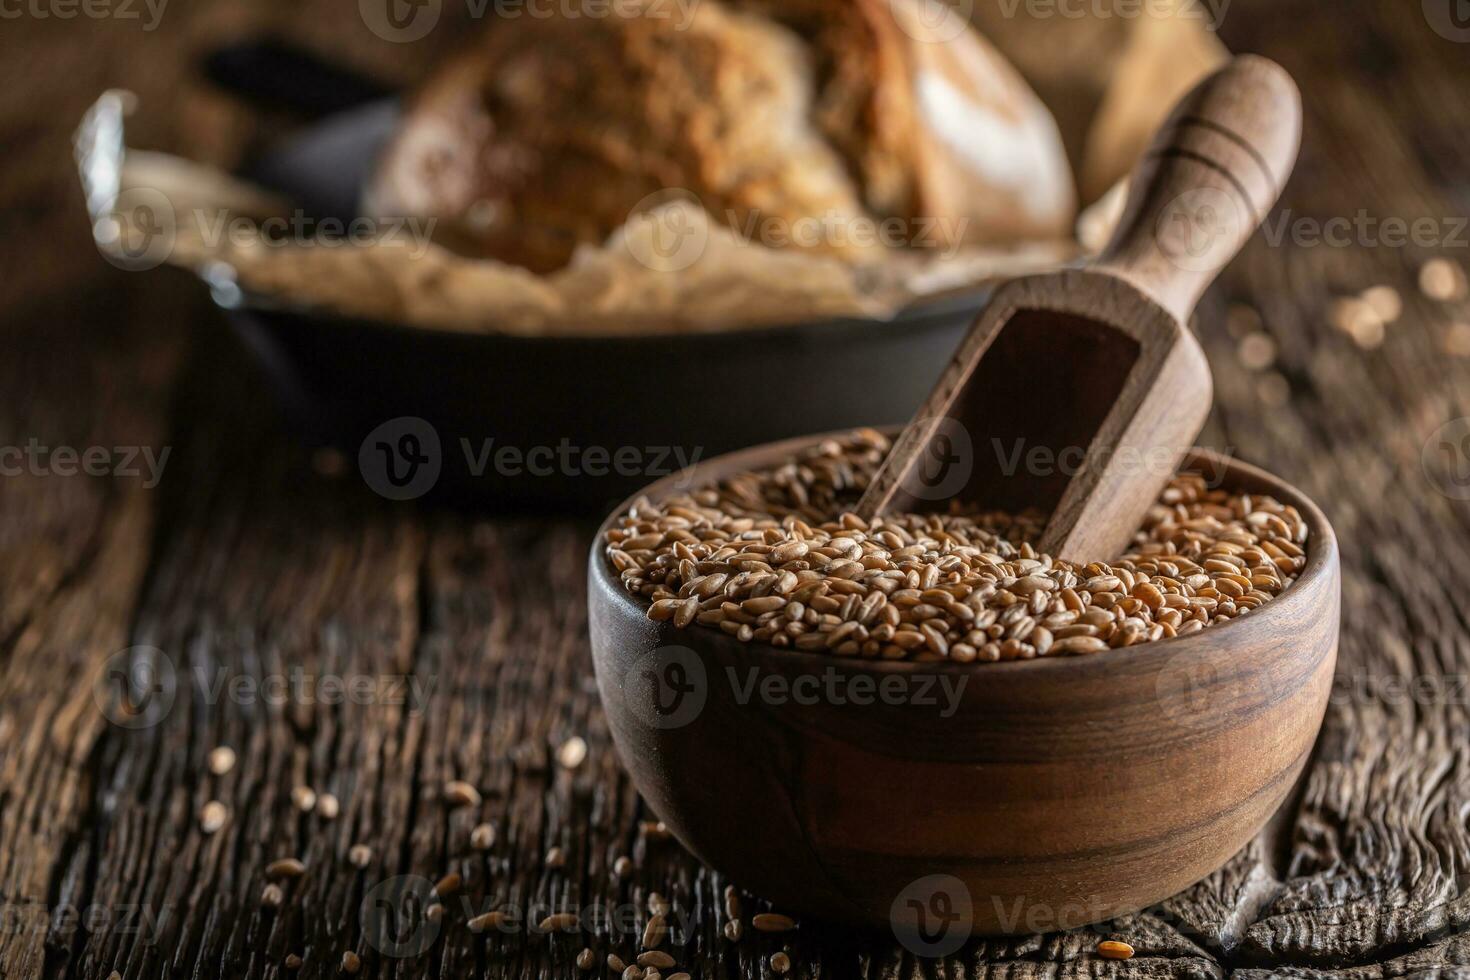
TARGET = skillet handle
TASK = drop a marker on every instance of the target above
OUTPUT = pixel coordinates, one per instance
(270, 72)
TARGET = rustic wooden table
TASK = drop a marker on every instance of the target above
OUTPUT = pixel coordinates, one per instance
(247, 564)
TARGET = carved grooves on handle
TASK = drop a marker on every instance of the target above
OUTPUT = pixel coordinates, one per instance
(1177, 152)
(1235, 138)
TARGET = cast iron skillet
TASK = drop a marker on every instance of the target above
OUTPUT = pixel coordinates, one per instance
(564, 422)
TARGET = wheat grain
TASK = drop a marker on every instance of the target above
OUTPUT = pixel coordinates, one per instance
(221, 760)
(772, 556)
(212, 816)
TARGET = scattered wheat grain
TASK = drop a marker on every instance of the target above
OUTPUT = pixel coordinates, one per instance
(212, 816)
(328, 806)
(287, 867)
(572, 752)
(1443, 280)
(772, 922)
(459, 793)
(221, 760)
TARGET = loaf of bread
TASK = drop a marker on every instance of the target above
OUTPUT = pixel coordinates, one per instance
(845, 126)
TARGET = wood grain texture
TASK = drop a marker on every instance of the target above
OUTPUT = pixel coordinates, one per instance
(1361, 877)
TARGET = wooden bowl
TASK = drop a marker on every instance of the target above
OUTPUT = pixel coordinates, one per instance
(1030, 796)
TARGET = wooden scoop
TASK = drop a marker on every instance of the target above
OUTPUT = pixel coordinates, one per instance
(1078, 392)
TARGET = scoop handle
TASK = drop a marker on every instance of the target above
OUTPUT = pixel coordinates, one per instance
(1211, 175)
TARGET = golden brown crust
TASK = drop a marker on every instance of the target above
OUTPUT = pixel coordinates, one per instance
(550, 132)
(775, 114)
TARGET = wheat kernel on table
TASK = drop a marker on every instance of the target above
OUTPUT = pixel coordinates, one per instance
(654, 830)
(572, 752)
(772, 922)
(221, 760)
(1353, 316)
(359, 855)
(287, 867)
(212, 816)
(482, 838)
(303, 798)
(1113, 949)
(351, 963)
(485, 921)
(1256, 351)
(1385, 301)
(1443, 280)
(447, 885)
(328, 806)
(1369, 335)
(559, 922)
(780, 963)
(586, 959)
(459, 793)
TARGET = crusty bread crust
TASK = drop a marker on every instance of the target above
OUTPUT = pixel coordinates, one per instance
(548, 133)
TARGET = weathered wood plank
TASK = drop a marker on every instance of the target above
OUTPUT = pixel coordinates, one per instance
(1379, 836)
(257, 568)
